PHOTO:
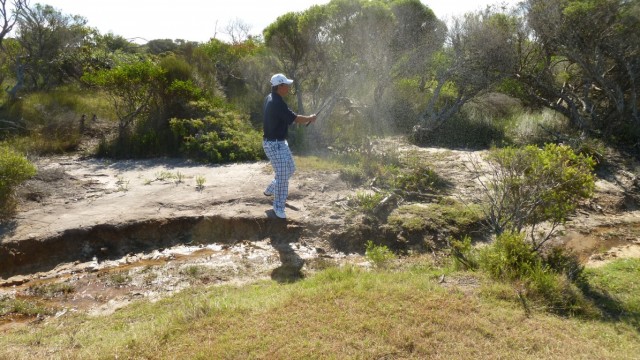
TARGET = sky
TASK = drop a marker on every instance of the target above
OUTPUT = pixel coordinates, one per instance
(201, 20)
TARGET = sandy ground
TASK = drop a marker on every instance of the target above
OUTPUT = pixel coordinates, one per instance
(74, 193)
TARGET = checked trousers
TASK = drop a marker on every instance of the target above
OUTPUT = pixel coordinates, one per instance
(281, 159)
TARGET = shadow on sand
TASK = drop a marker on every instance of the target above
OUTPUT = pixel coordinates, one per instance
(290, 269)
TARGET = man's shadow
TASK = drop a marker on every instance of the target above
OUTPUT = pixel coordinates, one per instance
(7, 228)
(283, 232)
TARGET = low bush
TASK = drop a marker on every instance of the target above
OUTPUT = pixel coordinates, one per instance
(540, 127)
(219, 135)
(14, 169)
(549, 282)
(465, 256)
(447, 216)
(564, 261)
(409, 177)
(510, 257)
(378, 255)
(527, 186)
(366, 164)
(366, 202)
(416, 179)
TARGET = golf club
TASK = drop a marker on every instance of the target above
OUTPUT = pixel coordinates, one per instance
(335, 94)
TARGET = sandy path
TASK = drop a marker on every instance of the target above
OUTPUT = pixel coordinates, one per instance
(111, 193)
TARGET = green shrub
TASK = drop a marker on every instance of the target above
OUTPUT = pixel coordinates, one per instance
(365, 163)
(221, 135)
(510, 257)
(409, 177)
(352, 174)
(556, 293)
(529, 185)
(465, 256)
(415, 179)
(14, 169)
(378, 255)
(563, 261)
(131, 87)
(366, 202)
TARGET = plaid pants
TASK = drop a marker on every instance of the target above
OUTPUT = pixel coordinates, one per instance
(281, 159)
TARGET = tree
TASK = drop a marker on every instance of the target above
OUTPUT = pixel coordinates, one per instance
(113, 43)
(226, 64)
(289, 41)
(131, 87)
(584, 62)
(51, 44)
(418, 34)
(8, 19)
(238, 31)
(480, 52)
(159, 46)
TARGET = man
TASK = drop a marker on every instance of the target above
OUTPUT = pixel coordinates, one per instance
(276, 121)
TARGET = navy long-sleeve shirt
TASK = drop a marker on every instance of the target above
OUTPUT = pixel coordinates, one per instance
(277, 117)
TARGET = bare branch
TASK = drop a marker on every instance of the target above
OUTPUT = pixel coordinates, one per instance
(7, 19)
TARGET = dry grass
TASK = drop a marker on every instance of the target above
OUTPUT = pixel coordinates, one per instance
(339, 313)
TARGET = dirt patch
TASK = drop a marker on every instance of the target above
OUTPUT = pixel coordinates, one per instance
(101, 287)
(109, 241)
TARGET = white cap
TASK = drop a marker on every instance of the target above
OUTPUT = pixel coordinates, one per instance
(278, 79)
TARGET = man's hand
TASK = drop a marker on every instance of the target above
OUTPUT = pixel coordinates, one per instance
(311, 119)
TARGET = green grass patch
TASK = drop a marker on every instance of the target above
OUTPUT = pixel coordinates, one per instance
(617, 286)
(23, 307)
(49, 122)
(51, 290)
(317, 163)
(338, 313)
(448, 214)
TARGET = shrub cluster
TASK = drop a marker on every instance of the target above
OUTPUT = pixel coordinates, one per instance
(551, 281)
(218, 136)
(14, 169)
(527, 186)
(379, 255)
(409, 178)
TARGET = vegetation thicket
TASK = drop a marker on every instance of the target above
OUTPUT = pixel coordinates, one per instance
(374, 68)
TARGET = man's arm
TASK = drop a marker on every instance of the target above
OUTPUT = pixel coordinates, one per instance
(305, 119)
